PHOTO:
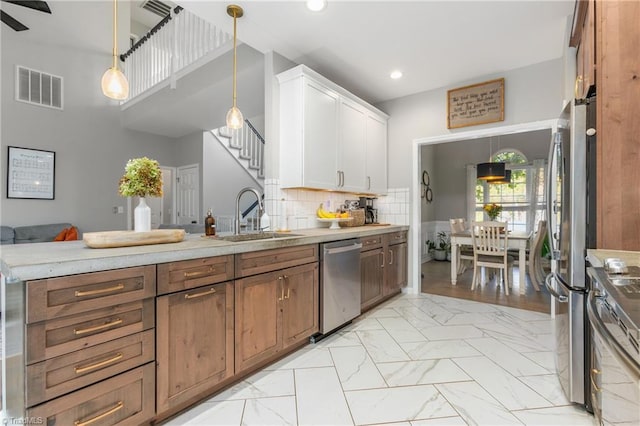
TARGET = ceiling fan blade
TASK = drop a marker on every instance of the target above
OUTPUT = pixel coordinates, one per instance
(7, 19)
(40, 6)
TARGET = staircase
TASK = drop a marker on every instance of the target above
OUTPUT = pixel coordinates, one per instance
(247, 147)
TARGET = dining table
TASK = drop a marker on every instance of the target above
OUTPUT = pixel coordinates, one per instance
(515, 241)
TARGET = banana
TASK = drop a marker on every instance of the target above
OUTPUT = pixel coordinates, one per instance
(323, 214)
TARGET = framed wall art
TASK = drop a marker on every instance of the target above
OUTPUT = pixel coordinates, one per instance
(475, 104)
(31, 173)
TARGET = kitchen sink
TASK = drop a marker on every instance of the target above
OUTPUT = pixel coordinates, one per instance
(257, 236)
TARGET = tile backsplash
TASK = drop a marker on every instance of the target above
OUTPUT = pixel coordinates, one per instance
(296, 208)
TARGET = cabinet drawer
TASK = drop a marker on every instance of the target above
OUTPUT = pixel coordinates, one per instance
(371, 242)
(183, 275)
(397, 237)
(48, 339)
(257, 262)
(57, 376)
(126, 399)
(55, 297)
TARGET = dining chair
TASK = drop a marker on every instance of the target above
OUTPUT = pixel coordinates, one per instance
(465, 252)
(490, 241)
(536, 272)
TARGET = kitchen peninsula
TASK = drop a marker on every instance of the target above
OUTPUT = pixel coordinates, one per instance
(137, 334)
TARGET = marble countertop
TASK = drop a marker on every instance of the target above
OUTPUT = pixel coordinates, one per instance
(43, 260)
(597, 256)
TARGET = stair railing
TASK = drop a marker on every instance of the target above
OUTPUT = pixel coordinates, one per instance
(179, 40)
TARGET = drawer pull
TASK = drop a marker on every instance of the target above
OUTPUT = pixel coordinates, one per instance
(97, 327)
(100, 291)
(196, 273)
(80, 370)
(109, 412)
(204, 293)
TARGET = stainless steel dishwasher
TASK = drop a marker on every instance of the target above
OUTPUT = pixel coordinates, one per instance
(339, 283)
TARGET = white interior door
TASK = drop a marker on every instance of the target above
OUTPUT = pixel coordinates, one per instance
(155, 203)
(188, 193)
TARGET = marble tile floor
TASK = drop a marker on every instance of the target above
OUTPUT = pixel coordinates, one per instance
(415, 360)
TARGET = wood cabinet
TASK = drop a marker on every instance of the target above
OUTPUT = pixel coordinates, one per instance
(372, 277)
(396, 270)
(330, 139)
(383, 267)
(583, 38)
(274, 310)
(618, 126)
(195, 332)
(90, 347)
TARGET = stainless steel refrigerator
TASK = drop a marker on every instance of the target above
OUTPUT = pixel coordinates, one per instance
(570, 193)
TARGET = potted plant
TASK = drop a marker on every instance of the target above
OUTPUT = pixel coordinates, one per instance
(442, 248)
(142, 178)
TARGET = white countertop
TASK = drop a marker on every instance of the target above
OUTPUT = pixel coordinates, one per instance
(43, 260)
(597, 256)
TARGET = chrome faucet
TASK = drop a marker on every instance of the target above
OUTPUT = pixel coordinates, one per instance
(236, 224)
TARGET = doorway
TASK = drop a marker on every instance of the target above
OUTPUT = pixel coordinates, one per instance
(188, 194)
(447, 162)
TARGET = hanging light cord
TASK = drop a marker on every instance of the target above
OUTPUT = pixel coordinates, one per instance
(115, 29)
(234, 57)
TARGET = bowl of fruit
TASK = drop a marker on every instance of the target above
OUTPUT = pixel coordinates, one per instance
(332, 217)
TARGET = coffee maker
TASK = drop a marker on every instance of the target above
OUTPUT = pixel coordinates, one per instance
(370, 213)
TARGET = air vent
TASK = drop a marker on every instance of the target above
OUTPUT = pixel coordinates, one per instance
(38, 88)
(157, 7)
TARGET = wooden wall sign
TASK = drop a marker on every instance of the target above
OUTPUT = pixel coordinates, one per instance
(475, 104)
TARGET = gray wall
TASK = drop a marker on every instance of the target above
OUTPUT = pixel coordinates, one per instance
(450, 160)
(90, 145)
(532, 93)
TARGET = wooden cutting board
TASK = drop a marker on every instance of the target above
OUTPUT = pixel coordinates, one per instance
(110, 239)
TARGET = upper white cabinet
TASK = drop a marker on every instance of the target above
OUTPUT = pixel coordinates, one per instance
(329, 138)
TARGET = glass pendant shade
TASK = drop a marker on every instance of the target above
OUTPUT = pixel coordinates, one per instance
(115, 84)
(235, 120)
(505, 180)
(490, 171)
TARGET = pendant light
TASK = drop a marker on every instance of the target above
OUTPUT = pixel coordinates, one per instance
(505, 180)
(114, 83)
(492, 170)
(235, 120)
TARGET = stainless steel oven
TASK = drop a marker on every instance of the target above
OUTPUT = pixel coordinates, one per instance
(614, 378)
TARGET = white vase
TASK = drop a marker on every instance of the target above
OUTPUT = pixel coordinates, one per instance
(142, 217)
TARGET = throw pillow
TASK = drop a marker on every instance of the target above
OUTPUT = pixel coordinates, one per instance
(72, 234)
(62, 235)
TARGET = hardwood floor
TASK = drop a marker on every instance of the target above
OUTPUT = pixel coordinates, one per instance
(437, 280)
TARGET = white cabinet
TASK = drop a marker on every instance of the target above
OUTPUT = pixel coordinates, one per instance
(329, 139)
(352, 133)
(376, 156)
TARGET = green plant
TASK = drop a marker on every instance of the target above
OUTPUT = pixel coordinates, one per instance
(142, 178)
(431, 245)
(444, 241)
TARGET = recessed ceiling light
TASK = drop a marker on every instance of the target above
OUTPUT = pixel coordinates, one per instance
(395, 74)
(316, 5)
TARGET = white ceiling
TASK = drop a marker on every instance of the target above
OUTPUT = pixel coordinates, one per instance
(434, 43)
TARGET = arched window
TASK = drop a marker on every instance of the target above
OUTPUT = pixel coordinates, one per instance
(522, 199)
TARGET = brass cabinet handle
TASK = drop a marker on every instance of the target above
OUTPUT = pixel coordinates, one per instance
(391, 257)
(109, 412)
(281, 278)
(204, 293)
(99, 291)
(196, 273)
(84, 369)
(382, 253)
(97, 327)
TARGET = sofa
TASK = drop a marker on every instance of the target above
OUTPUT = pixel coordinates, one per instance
(31, 233)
